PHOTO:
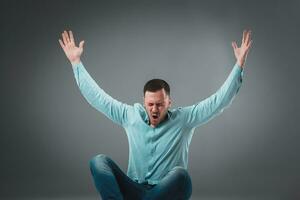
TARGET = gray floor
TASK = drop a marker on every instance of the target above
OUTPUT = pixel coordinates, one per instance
(193, 198)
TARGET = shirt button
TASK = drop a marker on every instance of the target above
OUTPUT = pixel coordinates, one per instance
(152, 151)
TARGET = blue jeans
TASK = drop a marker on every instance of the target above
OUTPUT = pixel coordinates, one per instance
(113, 184)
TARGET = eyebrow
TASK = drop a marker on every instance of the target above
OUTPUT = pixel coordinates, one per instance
(155, 103)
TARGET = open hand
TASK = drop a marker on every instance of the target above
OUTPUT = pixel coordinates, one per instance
(72, 52)
(242, 51)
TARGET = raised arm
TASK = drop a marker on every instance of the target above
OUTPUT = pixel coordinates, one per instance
(205, 110)
(96, 97)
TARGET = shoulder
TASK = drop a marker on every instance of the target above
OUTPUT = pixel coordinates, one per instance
(176, 112)
(139, 109)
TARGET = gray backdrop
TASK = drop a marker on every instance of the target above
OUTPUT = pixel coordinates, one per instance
(49, 132)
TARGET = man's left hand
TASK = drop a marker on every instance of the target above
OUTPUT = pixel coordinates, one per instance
(242, 51)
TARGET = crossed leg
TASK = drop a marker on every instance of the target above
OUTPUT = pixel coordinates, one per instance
(176, 185)
(113, 184)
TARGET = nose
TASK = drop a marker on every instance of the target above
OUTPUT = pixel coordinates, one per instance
(154, 108)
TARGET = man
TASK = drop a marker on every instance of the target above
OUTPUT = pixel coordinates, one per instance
(158, 137)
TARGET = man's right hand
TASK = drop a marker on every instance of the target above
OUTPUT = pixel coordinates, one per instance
(72, 52)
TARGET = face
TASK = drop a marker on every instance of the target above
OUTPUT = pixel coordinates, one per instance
(157, 105)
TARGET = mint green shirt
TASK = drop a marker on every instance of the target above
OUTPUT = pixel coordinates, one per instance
(155, 151)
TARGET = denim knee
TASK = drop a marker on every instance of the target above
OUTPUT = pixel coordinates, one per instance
(182, 176)
(99, 161)
(180, 172)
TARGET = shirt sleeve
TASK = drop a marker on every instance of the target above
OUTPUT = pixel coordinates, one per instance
(205, 110)
(97, 98)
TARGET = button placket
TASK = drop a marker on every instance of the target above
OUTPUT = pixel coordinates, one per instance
(152, 150)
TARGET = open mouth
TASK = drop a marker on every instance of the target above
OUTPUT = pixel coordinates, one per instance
(155, 116)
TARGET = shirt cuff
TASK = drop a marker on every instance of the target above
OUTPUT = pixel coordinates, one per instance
(74, 66)
(240, 69)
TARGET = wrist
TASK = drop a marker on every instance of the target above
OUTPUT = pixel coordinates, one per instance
(75, 61)
(240, 63)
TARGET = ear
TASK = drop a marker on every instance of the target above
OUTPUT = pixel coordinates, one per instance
(170, 102)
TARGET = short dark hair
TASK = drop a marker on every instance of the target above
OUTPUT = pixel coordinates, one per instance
(155, 85)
